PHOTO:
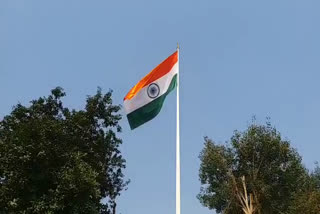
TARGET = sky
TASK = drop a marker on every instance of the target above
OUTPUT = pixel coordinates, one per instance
(238, 59)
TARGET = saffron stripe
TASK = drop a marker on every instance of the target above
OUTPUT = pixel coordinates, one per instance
(161, 70)
(141, 98)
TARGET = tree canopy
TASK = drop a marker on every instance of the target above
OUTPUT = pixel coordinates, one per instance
(273, 171)
(57, 160)
(308, 201)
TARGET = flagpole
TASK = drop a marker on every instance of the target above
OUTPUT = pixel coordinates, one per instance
(178, 143)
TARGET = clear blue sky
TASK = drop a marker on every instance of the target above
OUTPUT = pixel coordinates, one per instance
(238, 59)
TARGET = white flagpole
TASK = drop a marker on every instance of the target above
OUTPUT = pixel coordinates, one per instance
(178, 144)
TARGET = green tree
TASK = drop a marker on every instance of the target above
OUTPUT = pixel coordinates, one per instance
(315, 176)
(272, 169)
(57, 160)
(308, 201)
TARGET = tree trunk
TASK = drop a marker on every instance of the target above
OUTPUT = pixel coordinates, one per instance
(114, 208)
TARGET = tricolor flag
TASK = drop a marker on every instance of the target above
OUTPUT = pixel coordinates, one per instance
(144, 101)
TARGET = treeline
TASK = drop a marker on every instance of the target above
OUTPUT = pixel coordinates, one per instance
(59, 160)
(257, 172)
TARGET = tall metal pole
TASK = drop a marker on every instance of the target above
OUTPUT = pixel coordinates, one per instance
(178, 144)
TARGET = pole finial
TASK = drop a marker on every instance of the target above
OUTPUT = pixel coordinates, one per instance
(177, 45)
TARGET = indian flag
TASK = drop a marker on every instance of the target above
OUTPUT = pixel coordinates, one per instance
(144, 101)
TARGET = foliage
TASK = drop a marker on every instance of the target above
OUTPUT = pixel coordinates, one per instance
(57, 160)
(308, 201)
(273, 171)
(315, 176)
